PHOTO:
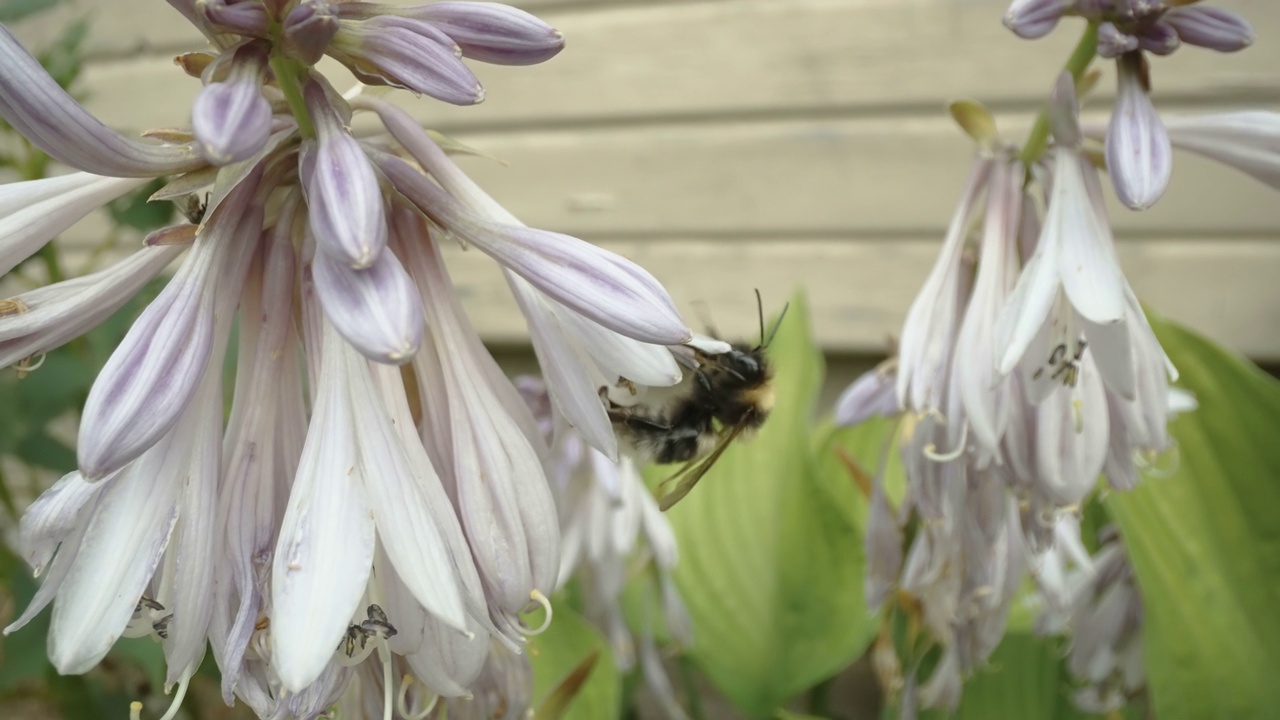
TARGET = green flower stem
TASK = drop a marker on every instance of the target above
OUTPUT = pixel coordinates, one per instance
(1077, 64)
(288, 75)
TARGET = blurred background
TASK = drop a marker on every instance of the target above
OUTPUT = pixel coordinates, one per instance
(725, 145)
(728, 145)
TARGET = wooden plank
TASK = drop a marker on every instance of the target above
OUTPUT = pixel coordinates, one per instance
(760, 58)
(812, 176)
(127, 28)
(860, 290)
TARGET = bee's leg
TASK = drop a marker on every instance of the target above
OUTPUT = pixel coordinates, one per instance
(637, 422)
(703, 381)
(678, 445)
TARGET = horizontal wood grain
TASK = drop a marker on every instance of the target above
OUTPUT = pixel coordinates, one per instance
(755, 58)
(860, 289)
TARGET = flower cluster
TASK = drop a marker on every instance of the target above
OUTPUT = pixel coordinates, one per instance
(380, 488)
(1026, 367)
(612, 531)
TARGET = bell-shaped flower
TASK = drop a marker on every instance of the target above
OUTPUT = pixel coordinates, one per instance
(1139, 155)
(53, 121)
(603, 287)
(1075, 256)
(982, 389)
(928, 335)
(1113, 42)
(491, 32)
(1248, 141)
(230, 118)
(154, 372)
(1031, 19)
(499, 488)
(326, 540)
(1210, 27)
(406, 53)
(873, 393)
(33, 212)
(42, 319)
(308, 29)
(376, 309)
(344, 200)
(236, 16)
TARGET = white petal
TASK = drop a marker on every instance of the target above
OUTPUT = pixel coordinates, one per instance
(122, 546)
(394, 485)
(325, 551)
(28, 225)
(1111, 349)
(1090, 270)
(55, 514)
(571, 378)
(1027, 310)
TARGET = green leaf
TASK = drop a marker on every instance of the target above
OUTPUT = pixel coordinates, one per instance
(1026, 678)
(555, 655)
(1205, 542)
(134, 211)
(771, 552)
(11, 11)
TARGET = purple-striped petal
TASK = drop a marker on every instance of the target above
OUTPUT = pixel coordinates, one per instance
(232, 121)
(1139, 155)
(1210, 27)
(54, 122)
(493, 32)
(377, 309)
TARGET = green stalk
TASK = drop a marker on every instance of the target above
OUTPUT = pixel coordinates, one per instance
(1077, 64)
(288, 72)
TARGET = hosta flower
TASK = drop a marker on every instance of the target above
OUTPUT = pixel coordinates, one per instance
(609, 522)
(347, 545)
(1019, 381)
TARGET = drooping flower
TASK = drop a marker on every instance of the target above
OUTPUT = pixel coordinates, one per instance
(369, 537)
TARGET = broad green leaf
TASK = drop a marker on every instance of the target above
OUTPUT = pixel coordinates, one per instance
(556, 653)
(1205, 542)
(770, 551)
(1026, 678)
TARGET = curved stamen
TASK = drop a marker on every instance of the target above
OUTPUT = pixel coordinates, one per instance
(542, 600)
(931, 450)
(135, 710)
(177, 698)
(402, 700)
(27, 365)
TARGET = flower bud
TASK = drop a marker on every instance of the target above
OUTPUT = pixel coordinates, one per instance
(308, 28)
(231, 120)
(1113, 43)
(1139, 156)
(1031, 19)
(493, 32)
(1159, 38)
(406, 53)
(1210, 27)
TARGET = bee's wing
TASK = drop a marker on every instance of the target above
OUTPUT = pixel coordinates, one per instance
(690, 474)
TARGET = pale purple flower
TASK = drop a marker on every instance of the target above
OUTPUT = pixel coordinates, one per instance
(873, 393)
(1031, 19)
(406, 53)
(1139, 156)
(932, 322)
(329, 542)
(1210, 27)
(1248, 141)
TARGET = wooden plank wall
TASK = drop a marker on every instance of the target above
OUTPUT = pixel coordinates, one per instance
(738, 144)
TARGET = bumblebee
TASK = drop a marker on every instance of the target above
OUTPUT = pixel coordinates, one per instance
(725, 396)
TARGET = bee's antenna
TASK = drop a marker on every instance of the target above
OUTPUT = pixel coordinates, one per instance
(760, 311)
(776, 325)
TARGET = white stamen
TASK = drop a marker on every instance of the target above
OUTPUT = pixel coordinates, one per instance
(387, 688)
(177, 698)
(135, 710)
(931, 450)
(402, 700)
(542, 600)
